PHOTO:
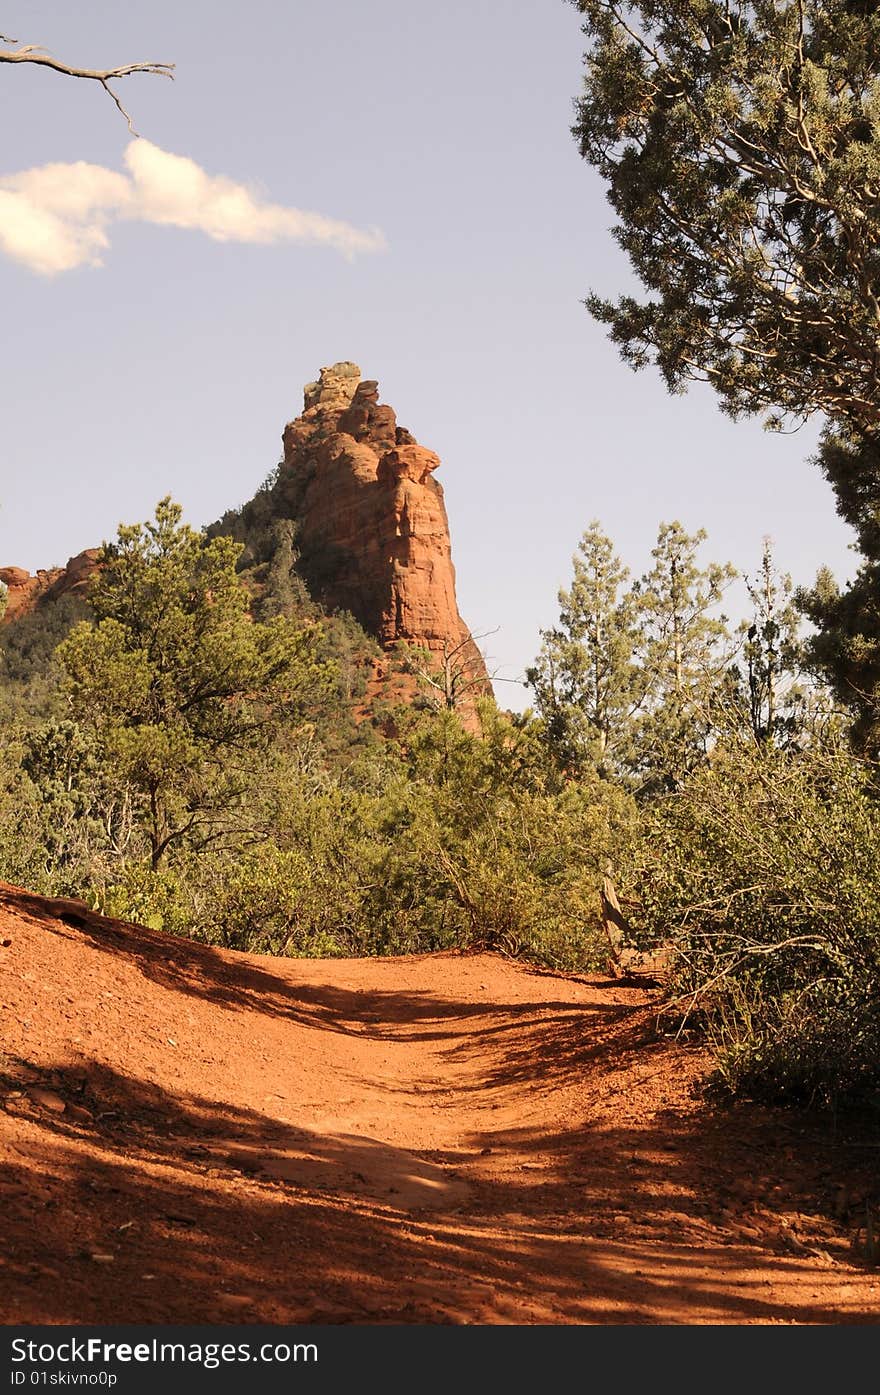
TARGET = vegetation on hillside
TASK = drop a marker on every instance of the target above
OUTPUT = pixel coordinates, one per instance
(193, 763)
(740, 144)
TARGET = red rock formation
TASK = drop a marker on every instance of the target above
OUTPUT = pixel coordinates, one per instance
(25, 592)
(373, 534)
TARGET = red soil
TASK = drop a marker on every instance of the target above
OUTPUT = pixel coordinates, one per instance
(190, 1135)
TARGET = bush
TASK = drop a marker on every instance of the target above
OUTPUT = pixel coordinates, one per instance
(764, 869)
(161, 900)
(451, 840)
(267, 901)
(328, 839)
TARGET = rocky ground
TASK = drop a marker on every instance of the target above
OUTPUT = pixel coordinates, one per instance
(190, 1135)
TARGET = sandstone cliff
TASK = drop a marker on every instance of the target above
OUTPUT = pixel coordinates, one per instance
(372, 530)
(25, 592)
(371, 537)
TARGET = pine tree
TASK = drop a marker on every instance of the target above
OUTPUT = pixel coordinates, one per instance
(740, 143)
(587, 682)
(685, 650)
(772, 653)
(176, 682)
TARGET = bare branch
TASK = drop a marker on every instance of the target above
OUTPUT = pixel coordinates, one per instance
(33, 53)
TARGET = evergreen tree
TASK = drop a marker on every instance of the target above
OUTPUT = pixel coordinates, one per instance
(771, 655)
(284, 591)
(178, 684)
(741, 147)
(587, 683)
(740, 142)
(845, 650)
(685, 650)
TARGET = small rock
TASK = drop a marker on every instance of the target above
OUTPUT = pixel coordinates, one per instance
(102, 1258)
(23, 1073)
(5, 943)
(48, 1099)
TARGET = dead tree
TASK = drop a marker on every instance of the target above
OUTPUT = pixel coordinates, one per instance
(615, 924)
(449, 674)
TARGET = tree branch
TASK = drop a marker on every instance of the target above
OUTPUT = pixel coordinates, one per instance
(33, 53)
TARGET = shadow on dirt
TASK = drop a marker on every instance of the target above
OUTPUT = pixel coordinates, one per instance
(200, 971)
(134, 1205)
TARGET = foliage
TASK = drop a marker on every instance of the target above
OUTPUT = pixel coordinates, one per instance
(28, 671)
(269, 567)
(770, 688)
(740, 143)
(741, 147)
(625, 682)
(445, 839)
(586, 679)
(205, 774)
(845, 649)
(174, 679)
(25, 858)
(685, 649)
(764, 869)
(283, 591)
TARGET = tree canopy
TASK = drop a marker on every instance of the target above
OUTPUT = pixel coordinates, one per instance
(625, 682)
(175, 679)
(586, 679)
(741, 147)
(740, 143)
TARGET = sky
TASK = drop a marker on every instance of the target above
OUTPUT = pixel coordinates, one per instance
(394, 184)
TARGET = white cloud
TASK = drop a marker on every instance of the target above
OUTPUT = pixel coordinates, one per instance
(56, 217)
(37, 238)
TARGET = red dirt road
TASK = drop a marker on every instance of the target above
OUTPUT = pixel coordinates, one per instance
(190, 1135)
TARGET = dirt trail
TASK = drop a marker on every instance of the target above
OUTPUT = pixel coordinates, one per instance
(190, 1135)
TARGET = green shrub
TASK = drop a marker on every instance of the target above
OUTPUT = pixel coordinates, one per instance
(268, 901)
(764, 870)
(161, 900)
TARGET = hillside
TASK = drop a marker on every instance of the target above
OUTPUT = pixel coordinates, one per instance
(195, 1135)
(351, 531)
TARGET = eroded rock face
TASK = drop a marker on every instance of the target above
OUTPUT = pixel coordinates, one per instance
(373, 534)
(25, 591)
